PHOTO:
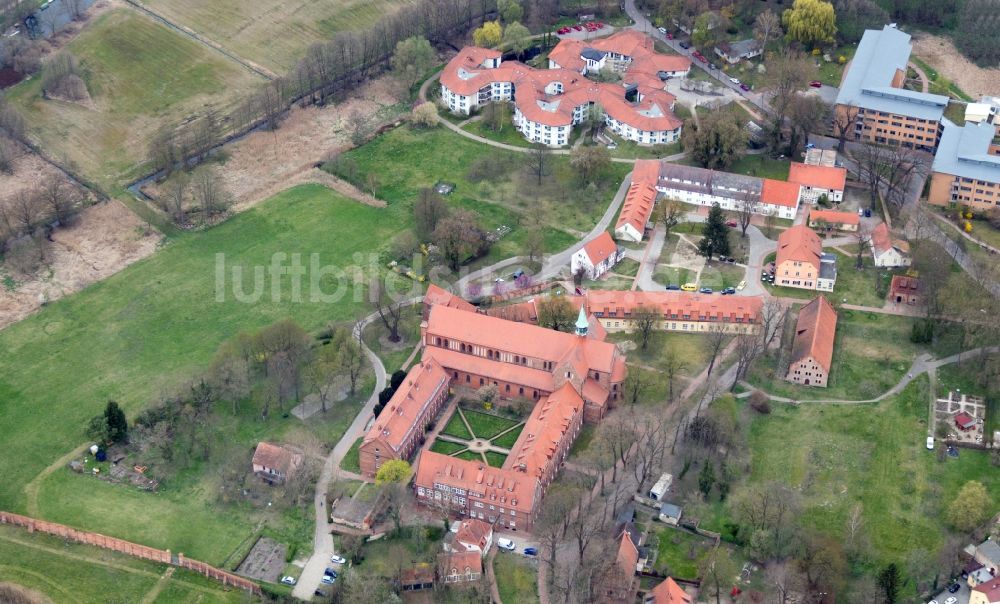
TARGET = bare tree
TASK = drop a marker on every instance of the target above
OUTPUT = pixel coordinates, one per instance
(635, 385)
(9, 152)
(672, 364)
(352, 356)
(842, 119)
(772, 320)
(25, 210)
(714, 342)
(389, 311)
(173, 198)
(766, 27)
(652, 446)
(428, 209)
(747, 205)
(358, 127)
(748, 348)
(210, 192)
(56, 196)
(870, 158)
(538, 162)
(644, 319)
(669, 214)
(863, 236)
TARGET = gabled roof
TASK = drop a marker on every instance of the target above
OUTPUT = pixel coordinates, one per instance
(990, 589)
(834, 217)
(443, 297)
(738, 49)
(399, 418)
(815, 331)
(512, 489)
(600, 248)
(990, 550)
(460, 562)
(668, 592)
(780, 193)
(474, 532)
(799, 243)
(275, 457)
(820, 177)
(549, 423)
(638, 206)
(881, 240)
(964, 151)
(700, 307)
(964, 420)
(628, 554)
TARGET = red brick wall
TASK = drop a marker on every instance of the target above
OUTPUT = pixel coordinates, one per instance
(127, 547)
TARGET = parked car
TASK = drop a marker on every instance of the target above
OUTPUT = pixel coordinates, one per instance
(530, 551)
(674, 286)
(662, 30)
(816, 84)
(578, 27)
(690, 287)
(731, 224)
(670, 36)
(952, 589)
(729, 291)
(741, 285)
(327, 580)
(868, 213)
(734, 80)
(685, 45)
(288, 580)
(706, 290)
(930, 443)
(507, 544)
(951, 600)
(731, 260)
(517, 274)
(329, 572)
(861, 212)
(744, 87)
(338, 559)
(712, 66)
(320, 593)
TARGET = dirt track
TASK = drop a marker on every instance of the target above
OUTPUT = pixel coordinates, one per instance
(940, 53)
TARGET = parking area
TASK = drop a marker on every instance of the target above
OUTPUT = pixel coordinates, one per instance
(521, 541)
(959, 597)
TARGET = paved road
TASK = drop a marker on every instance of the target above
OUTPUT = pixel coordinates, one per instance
(309, 580)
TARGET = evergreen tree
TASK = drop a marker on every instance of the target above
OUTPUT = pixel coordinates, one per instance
(716, 234)
(890, 581)
(114, 417)
(706, 478)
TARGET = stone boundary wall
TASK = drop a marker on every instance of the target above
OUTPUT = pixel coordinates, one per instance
(127, 547)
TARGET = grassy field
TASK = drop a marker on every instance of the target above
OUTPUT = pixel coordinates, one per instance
(871, 353)
(405, 161)
(140, 75)
(446, 447)
(269, 32)
(69, 572)
(352, 459)
(517, 578)
(142, 333)
(487, 425)
(837, 456)
(679, 553)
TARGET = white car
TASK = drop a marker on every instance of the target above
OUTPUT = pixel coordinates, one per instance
(930, 443)
(506, 544)
(288, 580)
(735, 81)
(951, 600)
(338, 559)
(327, 580)
(662, 30)
(741, 285)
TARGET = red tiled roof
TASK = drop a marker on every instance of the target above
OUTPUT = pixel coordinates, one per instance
(548, 425)
(815, 331)
(801, 244)
(521, 338)
(833, 217)
(401, 414)
(901, 284)
(474, 532)
(628, 555)
(991, 589)
(697, 306)
(512, 489)
(669, 592)
(498, 370)
(780, 193)
(459, 562)
(275, 456)
(646, 171)
(600, 248)
(964, 420)
(637, 207)
(818, 177)
(443, 297)
(881, 240)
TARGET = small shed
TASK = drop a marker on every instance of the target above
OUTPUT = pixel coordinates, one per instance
(661, 487)
(275, 463)
(417, 577)
(670, 513)
(964, 421)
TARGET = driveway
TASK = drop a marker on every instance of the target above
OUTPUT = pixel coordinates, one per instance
(962, 595)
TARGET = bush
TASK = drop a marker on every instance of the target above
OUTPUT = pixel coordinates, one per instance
(488, 167)
(760, 402)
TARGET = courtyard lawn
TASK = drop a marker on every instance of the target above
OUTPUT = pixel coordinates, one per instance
(720, 275)
(406, 160)
(495, 459)
(871, 353)
(446, 447)
(761, 166)
(836, 456)
(145, 331)
(487, 425)
(517, 578)
(470, 456)
(69, 572)
(140, 75)
(456, 427)
(507, 439)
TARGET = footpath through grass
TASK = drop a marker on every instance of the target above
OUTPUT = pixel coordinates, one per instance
(148, 329)
(140, 75)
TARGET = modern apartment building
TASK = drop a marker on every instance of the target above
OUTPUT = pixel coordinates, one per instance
(966, 169)
(873, 98)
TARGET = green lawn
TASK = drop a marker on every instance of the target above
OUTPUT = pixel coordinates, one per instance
(352, 459)
(669, 275)
(583, 440)
(632, 150)
(517, 578)
(407, 160)
(495, 459)
(487, 425)
(871, 353)
(446, 447)
(679, 553)
(68, 572)
(508, 439)
(470, 456)
(140, 75)
(836, 456)
(855, 286)
(507, 133)
(720, 275)
(144, 331)
(456, 427)
(627, 267)
(762, 166)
